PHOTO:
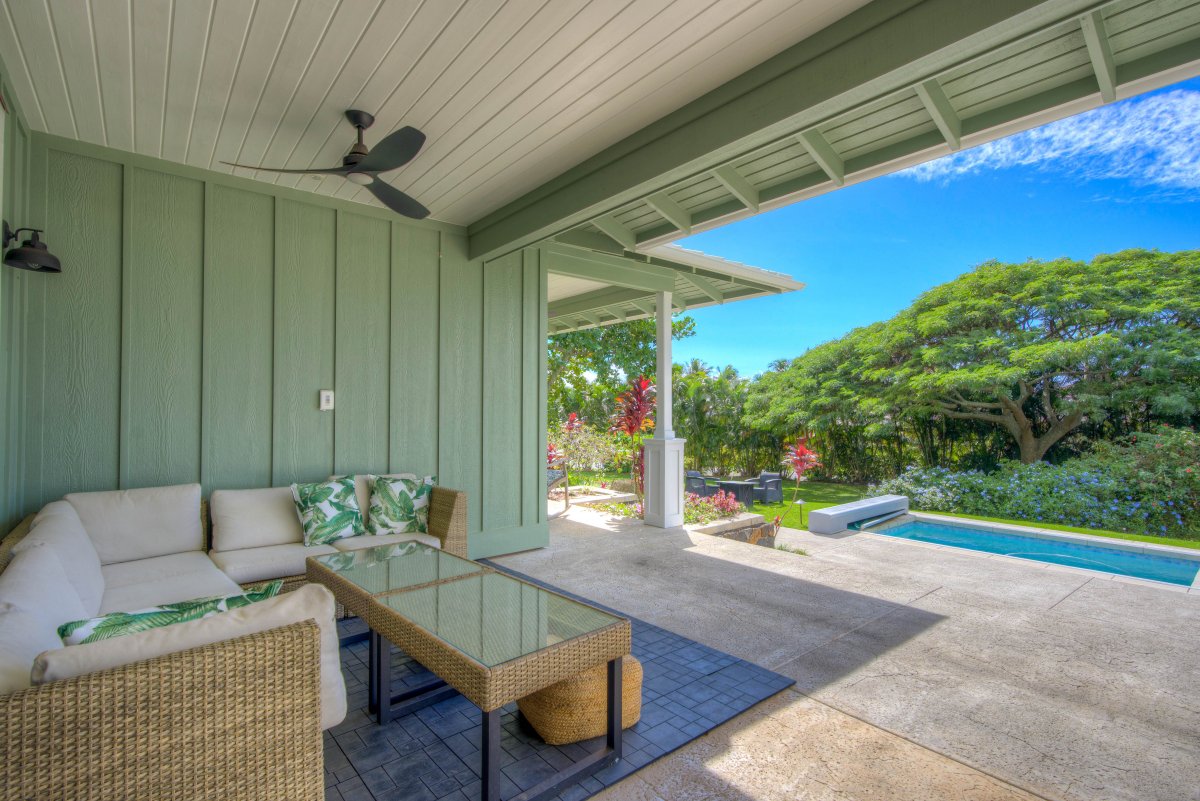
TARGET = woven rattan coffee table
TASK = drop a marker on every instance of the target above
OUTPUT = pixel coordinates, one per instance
(489, 636)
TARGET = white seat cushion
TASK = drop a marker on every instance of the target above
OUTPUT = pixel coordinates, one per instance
(35, 599)
(254, 518)
(59, 527)
(125, 525)
(36, 582)
(311, 602)
(162, 580)
(23, 635)
(373, 540)
(270, 562)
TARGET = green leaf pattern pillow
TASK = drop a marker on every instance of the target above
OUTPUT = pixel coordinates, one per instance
(116, 624)
(400, 505)
(328, 510)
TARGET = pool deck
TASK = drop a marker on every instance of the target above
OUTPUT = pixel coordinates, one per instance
(924, 672)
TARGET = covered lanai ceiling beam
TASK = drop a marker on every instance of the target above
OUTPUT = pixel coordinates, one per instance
(934, 98)
(705, 286)
(671, 211)
(615, 230)
(823, 153)
(737, 185)
(1100, 52)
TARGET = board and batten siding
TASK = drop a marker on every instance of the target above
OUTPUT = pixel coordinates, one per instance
(198, 315)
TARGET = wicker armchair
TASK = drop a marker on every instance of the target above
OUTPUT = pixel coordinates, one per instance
(238, 719)
(769, 489)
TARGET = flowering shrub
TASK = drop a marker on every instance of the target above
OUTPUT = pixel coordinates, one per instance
(714, 507)
(695, 508)
(1148, 484)
(582, 447)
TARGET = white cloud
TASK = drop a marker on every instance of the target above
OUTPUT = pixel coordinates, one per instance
(1150, 141)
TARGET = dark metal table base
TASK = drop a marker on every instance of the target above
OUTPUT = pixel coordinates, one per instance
(379, 686)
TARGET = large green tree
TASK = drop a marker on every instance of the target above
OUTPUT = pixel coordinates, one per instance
(1032, 351)
(587, 369)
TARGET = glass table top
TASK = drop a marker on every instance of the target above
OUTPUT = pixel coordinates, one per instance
(388, 568)
(492, 617)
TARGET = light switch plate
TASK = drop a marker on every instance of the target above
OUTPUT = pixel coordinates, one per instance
(325, 400)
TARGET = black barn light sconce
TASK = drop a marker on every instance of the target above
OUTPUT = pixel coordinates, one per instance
(32, 255)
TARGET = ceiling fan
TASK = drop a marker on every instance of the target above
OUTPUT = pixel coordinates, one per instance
(362, 165)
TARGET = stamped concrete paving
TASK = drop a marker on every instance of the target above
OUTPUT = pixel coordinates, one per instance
(1047, 679)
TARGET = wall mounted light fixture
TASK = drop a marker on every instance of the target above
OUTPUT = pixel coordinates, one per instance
(32, 255)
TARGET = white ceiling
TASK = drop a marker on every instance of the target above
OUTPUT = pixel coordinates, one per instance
(566, 286)
(509, 92)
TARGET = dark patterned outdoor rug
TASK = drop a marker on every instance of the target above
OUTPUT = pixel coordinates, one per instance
(432, 754)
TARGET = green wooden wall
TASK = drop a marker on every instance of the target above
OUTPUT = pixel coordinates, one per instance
(198, 315)
(14, 207)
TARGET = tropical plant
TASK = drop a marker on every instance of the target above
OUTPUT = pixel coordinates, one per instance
(633, 419)
(586, 369)
(800, 458)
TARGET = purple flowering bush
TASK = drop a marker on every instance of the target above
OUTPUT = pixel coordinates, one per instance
(1146, 484)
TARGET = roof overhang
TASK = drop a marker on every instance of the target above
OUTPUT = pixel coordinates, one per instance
(896, 83)
(590, 288)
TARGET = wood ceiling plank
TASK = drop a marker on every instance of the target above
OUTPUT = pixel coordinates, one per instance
(228, 46)
(478, 29)
(18, 70)
(326, 135)
(189, 44)
(386, 82)
(300, 44)
(562, 29)
(337, 42)
(77, 50)
(695, 57)
(583, 46)
(39, 49)
(112, 24)
(264, 45)
(151, 58)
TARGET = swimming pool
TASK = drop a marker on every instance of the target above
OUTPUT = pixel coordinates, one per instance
(1134, 561)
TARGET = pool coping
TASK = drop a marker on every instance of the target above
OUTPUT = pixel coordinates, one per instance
(1062, 536)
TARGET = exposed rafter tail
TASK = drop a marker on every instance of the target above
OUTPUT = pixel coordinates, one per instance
(823, 153)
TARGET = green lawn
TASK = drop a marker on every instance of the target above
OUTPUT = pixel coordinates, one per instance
(815, 494)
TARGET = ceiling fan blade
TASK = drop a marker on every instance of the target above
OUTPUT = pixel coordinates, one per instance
(394, 150)
(396, 200)
(330, 171)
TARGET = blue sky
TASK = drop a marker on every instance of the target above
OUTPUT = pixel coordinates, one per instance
(1122, 176)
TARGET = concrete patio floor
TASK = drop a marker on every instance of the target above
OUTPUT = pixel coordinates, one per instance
(922, 672)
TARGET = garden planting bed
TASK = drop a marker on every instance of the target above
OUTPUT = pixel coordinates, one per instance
(745, 527)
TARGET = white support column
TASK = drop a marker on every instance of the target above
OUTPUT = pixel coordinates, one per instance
(664, 453)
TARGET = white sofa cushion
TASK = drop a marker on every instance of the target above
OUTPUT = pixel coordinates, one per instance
(23, 635)
(162, 580)
(125, 525)
(270, 562)
(58, 527)
(254, 518)
(36, 582)
(309, 602)
(373, 540)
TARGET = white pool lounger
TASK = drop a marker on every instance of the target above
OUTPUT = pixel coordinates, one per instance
(833, 519)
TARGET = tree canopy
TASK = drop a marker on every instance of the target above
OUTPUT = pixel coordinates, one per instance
(587, 369)
(1008, 359)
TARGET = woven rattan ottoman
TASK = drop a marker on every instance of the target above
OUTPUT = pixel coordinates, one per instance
(577, 708)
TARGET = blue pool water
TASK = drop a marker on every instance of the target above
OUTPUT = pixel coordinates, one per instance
(1059, 552)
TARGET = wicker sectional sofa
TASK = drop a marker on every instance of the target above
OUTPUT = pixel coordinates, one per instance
(230, 706)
